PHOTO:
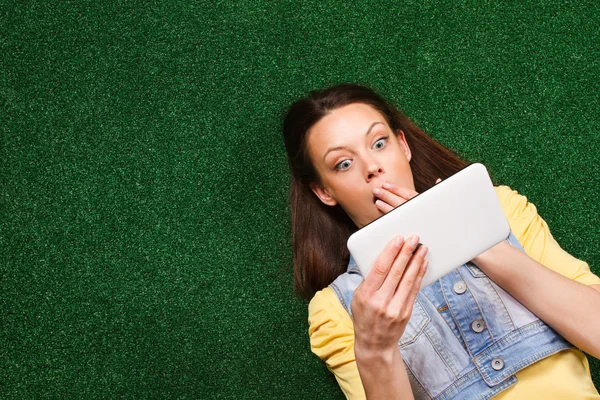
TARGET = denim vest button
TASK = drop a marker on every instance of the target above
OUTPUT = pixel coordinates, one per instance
(460, 287)
(441, 341)
(497, 364)
(478, 325)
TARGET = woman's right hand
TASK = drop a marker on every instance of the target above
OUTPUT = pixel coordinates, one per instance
(383, 302)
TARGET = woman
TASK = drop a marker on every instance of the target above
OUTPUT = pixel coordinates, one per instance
(505, 325)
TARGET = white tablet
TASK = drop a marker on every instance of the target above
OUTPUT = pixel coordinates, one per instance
(457, 219)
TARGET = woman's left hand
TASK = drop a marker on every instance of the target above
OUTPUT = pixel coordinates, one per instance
(391, 196)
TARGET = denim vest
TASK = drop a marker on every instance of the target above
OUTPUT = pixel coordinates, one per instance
(466, 337)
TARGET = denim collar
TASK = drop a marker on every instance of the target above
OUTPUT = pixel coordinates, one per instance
(352, 267)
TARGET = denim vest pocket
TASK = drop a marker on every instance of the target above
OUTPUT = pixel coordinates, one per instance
(416, 324)
(475, 271)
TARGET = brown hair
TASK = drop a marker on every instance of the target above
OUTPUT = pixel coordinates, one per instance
(320, 232)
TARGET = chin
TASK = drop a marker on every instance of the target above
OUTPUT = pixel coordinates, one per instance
(370, 218)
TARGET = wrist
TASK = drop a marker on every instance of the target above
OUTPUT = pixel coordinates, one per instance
(381, 357)
(383, 374)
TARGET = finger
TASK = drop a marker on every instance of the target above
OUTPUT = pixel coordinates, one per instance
(438, 181)
(399, 266)
(383, 206)
(398, 300)
(388, 197)
(410, 277)
(407, 274)
(411, 282)
(404, 192)
(382, 264)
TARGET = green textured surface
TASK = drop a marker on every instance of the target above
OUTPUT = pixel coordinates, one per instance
(143, 218)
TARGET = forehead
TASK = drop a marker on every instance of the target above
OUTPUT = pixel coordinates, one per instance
(342, 123)
(348, 119)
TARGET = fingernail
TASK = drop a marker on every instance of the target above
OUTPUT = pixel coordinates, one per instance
(413, 240)
(399, 240)
(377, 191)
(424, 250)
(387, 185)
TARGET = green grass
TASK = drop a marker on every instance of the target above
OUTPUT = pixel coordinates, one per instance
(144, 224)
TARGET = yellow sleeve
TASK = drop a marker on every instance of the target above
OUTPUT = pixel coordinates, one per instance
(332, 339)
(537, 241)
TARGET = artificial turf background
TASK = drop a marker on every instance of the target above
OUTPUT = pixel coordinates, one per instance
(144, 234)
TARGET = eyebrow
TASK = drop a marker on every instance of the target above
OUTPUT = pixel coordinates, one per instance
(342, 147)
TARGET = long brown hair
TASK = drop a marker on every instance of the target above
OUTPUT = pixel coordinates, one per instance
(320, 232)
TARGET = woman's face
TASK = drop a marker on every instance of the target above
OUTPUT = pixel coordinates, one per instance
(354, 151)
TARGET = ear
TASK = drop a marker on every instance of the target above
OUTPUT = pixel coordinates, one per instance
(323, 194)
(404, 144)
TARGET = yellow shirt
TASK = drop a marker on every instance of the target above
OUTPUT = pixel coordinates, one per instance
(565, 375)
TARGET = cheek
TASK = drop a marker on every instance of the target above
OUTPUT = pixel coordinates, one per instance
(397, 158)
(401, 166)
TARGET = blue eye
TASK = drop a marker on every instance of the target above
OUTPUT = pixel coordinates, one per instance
(344, 165)
(380, 144)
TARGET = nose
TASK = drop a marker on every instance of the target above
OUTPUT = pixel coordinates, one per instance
(374, 168)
